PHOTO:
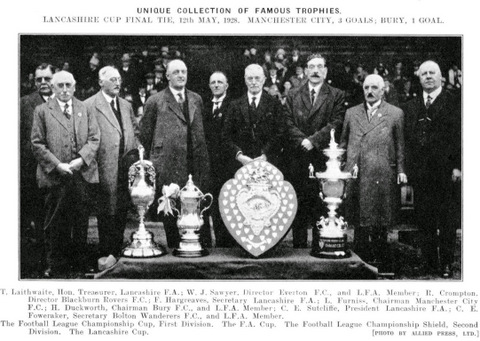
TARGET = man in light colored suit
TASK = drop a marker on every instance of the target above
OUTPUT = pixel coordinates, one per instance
(119, 132)
(312, 111)
(171, 131)
(373, 136)
(65, 140)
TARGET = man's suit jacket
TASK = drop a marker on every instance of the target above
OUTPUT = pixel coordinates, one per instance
(278, 82)
(108, 153)
(377, 147)
(28, 163)
(52, 143)
(314, 122)
(257, 137)
(220, 165)
(439, 153)
(163, 133)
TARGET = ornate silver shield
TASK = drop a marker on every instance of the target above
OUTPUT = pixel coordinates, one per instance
(258, 206)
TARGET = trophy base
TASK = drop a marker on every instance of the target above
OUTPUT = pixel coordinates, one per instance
(143, 246)
(332, 248)
(190, 250)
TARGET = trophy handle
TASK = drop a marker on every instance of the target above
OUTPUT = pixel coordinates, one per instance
(207, 207)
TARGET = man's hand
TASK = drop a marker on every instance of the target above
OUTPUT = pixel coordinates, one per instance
(64, 169)
(401, 178)
(307, 145)
(456, 175)
(244, 159)
(76, 164)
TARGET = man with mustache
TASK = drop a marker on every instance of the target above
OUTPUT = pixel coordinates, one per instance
(119, 135)
(65, 139)
(313, 110)
(171, 131)
(433, 136)
(373, 136)
(31, 198)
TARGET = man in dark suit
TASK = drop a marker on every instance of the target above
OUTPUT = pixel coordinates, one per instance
(373, 136)
(31, 198)
(254, 122)
(273, 78)
(129, 76)
(312, 112)
(221, 169)
(65, 140)
(119, 135)
(433, 135)
(171, 131)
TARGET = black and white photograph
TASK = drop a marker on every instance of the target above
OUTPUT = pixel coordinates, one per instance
(346, 165)
(241, 170)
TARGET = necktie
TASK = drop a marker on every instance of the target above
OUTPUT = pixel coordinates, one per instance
(429, 102)
(371, 112)
(65, 111)
(312, 93)
(114, 107)
(180, 98)
(253, 104)
(215, 105)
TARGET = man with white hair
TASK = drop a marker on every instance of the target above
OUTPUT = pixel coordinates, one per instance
(373, 136)
(433, 136)
(119, 131)
(253, 125)
(65, 139)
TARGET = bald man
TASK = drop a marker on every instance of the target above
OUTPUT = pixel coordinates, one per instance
(433, 136)
(373, 136)
(65, 139)
(172, 134)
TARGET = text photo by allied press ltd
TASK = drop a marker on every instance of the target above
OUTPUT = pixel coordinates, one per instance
(240, 157)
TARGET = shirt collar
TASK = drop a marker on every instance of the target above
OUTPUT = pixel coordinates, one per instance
(316, 88)
(257, 97)
(47, 98)
(176, 92)
(433, 95)
(220, 99)
(62, 104)
(375, 105)
(108, 97)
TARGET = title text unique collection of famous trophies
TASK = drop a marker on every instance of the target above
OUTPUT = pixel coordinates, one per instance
(257, 206)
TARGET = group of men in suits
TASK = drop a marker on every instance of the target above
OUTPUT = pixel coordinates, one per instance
(77, 143)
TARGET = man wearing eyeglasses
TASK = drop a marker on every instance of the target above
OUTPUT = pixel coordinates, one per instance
(65, 140)
(31, 198)
(312, 112)
(119, 131)
(254, 122)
